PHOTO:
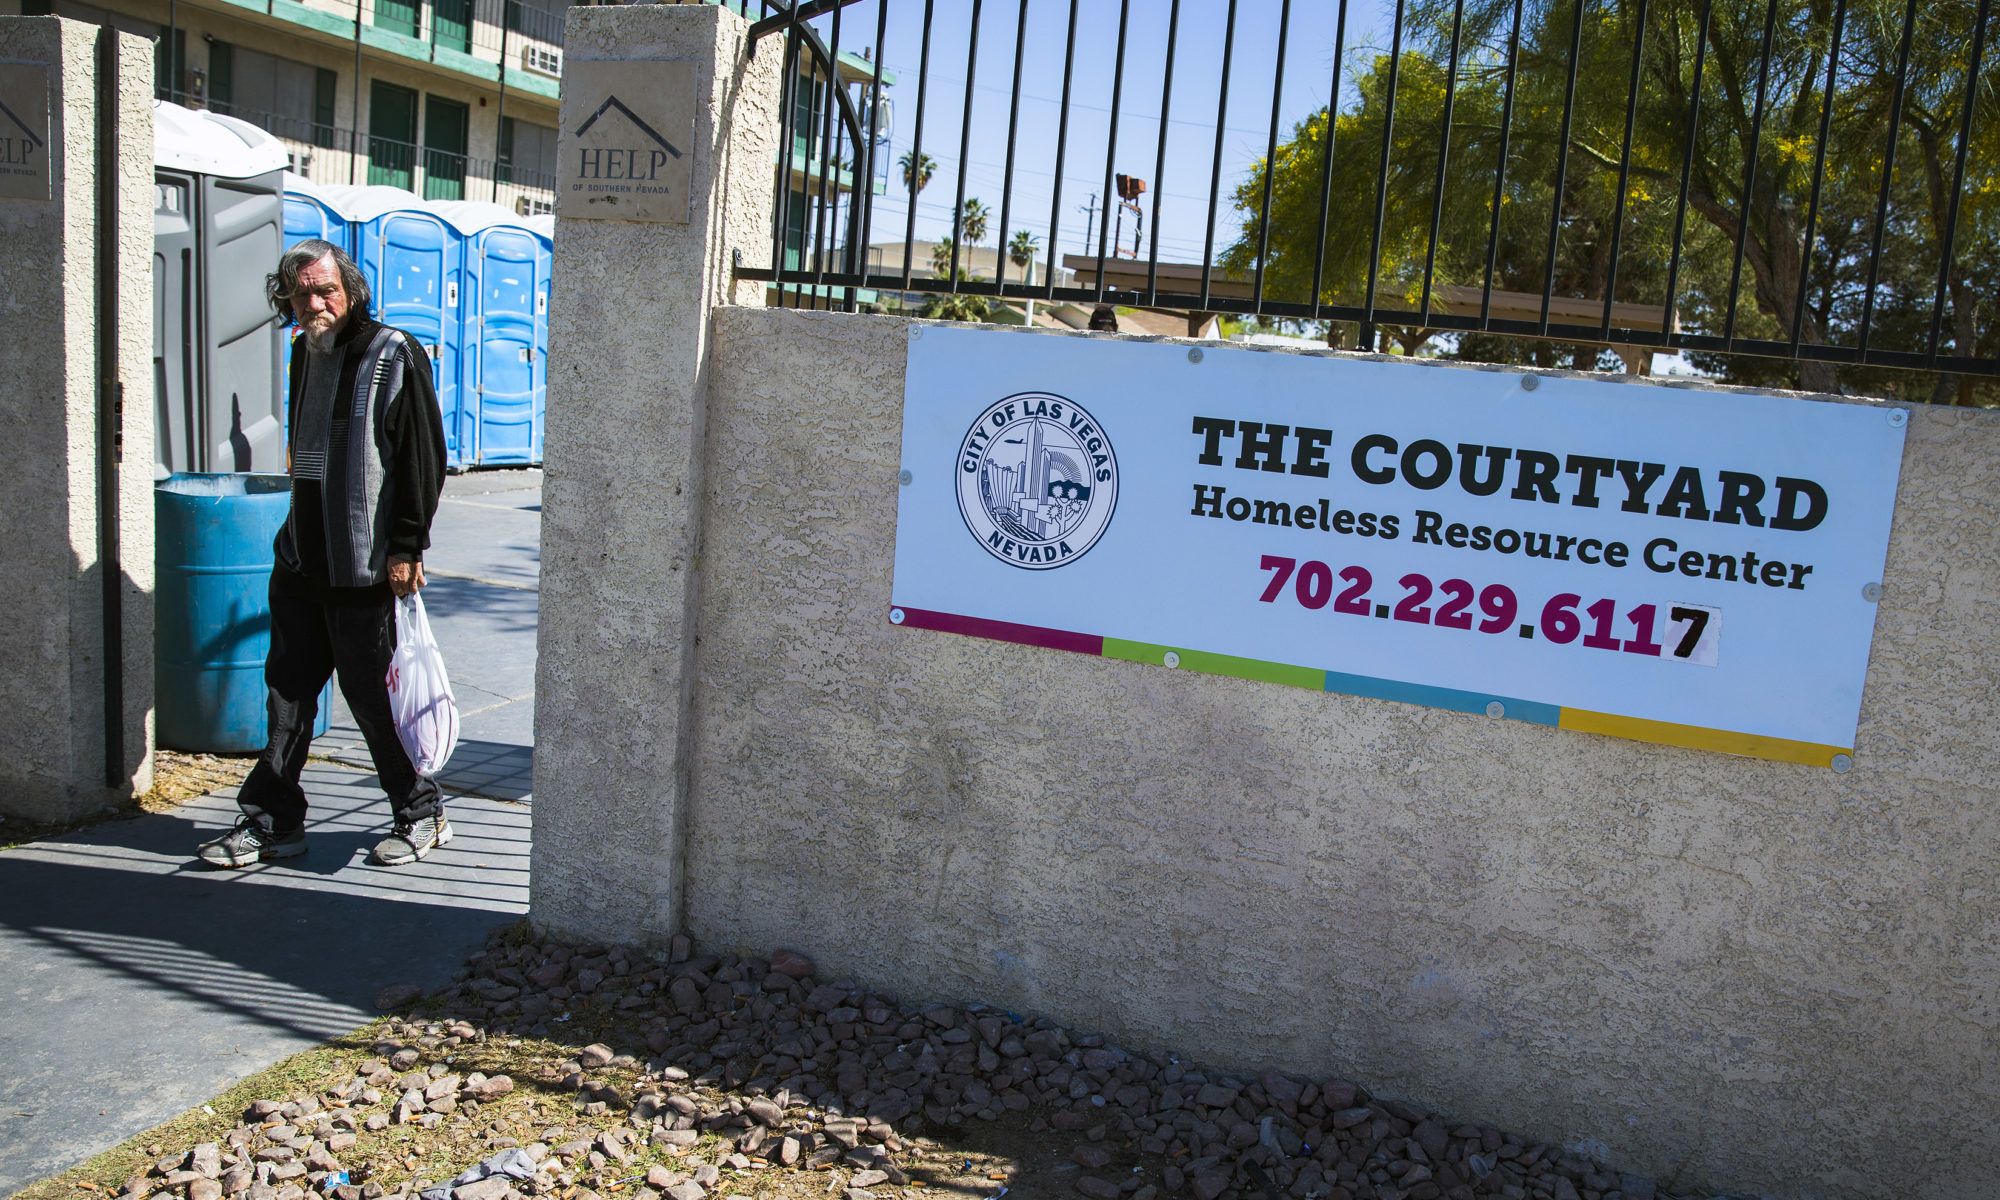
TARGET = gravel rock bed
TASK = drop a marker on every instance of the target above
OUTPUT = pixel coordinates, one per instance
(735, 1073)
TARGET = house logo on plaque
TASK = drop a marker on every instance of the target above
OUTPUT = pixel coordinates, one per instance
(1037, 481)
(623, 163)
(24, 129)
(629, 159)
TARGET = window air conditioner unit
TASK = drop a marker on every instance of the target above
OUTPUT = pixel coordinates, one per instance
(545, 60)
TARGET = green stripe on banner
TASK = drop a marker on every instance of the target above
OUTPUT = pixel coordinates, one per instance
(1218, 664)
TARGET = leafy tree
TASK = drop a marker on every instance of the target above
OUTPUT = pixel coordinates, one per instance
(1464, 214)
(917, 171)
(1608, 241)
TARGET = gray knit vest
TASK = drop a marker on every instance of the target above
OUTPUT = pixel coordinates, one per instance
(348, 449)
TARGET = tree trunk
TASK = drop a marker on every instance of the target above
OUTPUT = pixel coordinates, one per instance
(1774, 253)
(1949, 388)
(1818, 377)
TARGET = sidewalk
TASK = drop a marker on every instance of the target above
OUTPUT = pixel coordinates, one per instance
(137, 985)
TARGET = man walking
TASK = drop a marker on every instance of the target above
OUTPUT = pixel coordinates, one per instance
(367, 466)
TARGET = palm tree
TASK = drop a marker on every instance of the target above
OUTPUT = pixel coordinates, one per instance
(917, 171)
(941, 252)
(972, 221)
(1022, 252)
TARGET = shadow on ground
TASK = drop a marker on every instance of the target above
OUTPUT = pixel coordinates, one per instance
(138, 983)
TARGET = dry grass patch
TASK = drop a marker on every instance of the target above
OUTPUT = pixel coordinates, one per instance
(178, 777)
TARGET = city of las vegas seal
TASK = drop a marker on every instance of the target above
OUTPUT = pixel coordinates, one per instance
(1037, 481)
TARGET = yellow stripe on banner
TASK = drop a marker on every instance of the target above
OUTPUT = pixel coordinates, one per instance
(1694, 737)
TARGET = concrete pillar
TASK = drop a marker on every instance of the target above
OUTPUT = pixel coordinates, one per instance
(622, 498)
(55, 764)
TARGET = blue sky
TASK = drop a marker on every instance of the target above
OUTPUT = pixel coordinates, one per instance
(1181, 193)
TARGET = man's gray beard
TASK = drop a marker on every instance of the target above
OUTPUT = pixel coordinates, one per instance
(321, 343)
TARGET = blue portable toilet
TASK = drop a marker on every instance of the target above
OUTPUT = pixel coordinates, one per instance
(309, 213)
(505, 333)
(414, 261)
(543, 226)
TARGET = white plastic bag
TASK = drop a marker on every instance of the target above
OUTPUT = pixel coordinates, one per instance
(419, 694)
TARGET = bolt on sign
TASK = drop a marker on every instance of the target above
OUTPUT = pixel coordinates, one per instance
(24, 132)
(627, 150)
(1693, 568)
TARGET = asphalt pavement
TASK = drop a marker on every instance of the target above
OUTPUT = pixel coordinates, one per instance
(137, 984)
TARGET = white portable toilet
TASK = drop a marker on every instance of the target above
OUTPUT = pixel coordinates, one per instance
(218, 222)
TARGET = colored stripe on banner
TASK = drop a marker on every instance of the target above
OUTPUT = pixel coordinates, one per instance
(1696, 737)
(1665, 733)
(1436, 697)
(999, 631)
(1217, 664)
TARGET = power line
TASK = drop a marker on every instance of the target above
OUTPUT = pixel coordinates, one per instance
(1076, 104)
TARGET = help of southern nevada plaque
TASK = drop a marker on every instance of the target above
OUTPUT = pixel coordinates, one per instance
(24, 131)
(628, 149)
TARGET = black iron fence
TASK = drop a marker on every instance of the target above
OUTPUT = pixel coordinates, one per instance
(326, 153)
(1809, 185)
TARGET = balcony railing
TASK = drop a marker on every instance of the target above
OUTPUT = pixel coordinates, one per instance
(331, 154)
(524, 36)
(534, 24)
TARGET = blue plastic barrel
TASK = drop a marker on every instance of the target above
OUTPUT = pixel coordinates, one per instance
(212, 608)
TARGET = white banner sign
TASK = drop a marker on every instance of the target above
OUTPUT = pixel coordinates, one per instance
(1698, 568)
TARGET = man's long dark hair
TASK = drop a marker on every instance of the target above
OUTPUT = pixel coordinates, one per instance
(281, 284)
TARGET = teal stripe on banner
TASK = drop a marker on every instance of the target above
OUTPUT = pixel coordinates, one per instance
(1437, 697)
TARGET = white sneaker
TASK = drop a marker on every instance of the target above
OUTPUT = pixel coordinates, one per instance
(414, 840)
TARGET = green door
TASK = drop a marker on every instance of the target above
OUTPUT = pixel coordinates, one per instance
(392, 135)
(397, 15)
(451, 25)
(444, 149)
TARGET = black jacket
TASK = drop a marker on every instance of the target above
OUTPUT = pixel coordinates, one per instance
(414, 462)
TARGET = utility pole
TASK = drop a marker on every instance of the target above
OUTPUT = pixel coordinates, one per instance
(507, 21)
(1089, 220)
(354, 134)
(1130, 188)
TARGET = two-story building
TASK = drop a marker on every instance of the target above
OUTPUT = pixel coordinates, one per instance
(450, 99)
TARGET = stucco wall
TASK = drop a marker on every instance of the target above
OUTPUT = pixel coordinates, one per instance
(1726, 971)
(620, 522)
(52, 690)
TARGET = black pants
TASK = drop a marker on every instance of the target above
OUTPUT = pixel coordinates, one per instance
(316, 633)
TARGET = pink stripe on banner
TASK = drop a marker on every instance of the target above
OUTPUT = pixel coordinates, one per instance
(1002, 631)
